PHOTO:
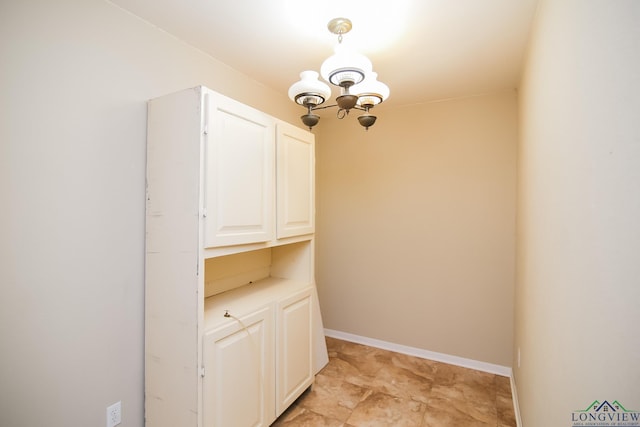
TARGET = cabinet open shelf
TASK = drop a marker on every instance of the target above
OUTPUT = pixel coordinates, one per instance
(285, 262)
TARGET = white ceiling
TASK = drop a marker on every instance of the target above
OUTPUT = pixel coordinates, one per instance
(424, 50)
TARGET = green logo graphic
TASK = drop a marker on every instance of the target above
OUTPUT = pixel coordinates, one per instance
(605, 414)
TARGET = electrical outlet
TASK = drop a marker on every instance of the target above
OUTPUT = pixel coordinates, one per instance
(114, 414)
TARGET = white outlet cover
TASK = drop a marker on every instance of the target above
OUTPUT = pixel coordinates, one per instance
(114, 414)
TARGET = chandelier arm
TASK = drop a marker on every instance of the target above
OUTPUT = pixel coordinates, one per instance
(323, 107)
(355, 107)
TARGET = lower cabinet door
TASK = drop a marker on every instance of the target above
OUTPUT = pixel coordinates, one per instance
(238, 386)
(294, 348)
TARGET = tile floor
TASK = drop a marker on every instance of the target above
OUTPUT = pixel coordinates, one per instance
(366, 386)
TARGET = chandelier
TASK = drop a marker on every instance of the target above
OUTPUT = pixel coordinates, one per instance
(352, 72)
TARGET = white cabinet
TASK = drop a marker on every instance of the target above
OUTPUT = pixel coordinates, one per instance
(229, 226)
(239, 185)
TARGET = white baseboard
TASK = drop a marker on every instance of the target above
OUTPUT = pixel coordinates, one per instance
(504, 371)
(514, 396)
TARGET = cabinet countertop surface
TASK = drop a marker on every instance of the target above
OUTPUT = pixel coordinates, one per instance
(248, 298)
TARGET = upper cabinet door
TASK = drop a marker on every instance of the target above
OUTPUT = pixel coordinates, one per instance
(239, 173)
(295, 181)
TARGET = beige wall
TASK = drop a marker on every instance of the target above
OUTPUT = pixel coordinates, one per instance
(75, 77)
(416, 226)
(578, 264)
(415, 217)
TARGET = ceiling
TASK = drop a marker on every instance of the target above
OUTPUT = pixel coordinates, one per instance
(424, 50)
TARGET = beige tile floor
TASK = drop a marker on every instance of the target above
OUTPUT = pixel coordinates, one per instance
(366, 386)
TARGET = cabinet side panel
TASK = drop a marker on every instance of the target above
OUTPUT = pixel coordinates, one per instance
(293, 261)
(320, 353)
(173, 284)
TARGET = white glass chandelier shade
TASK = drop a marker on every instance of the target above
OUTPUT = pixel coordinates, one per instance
(309, 91)
(345, 67)
(371, 91)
